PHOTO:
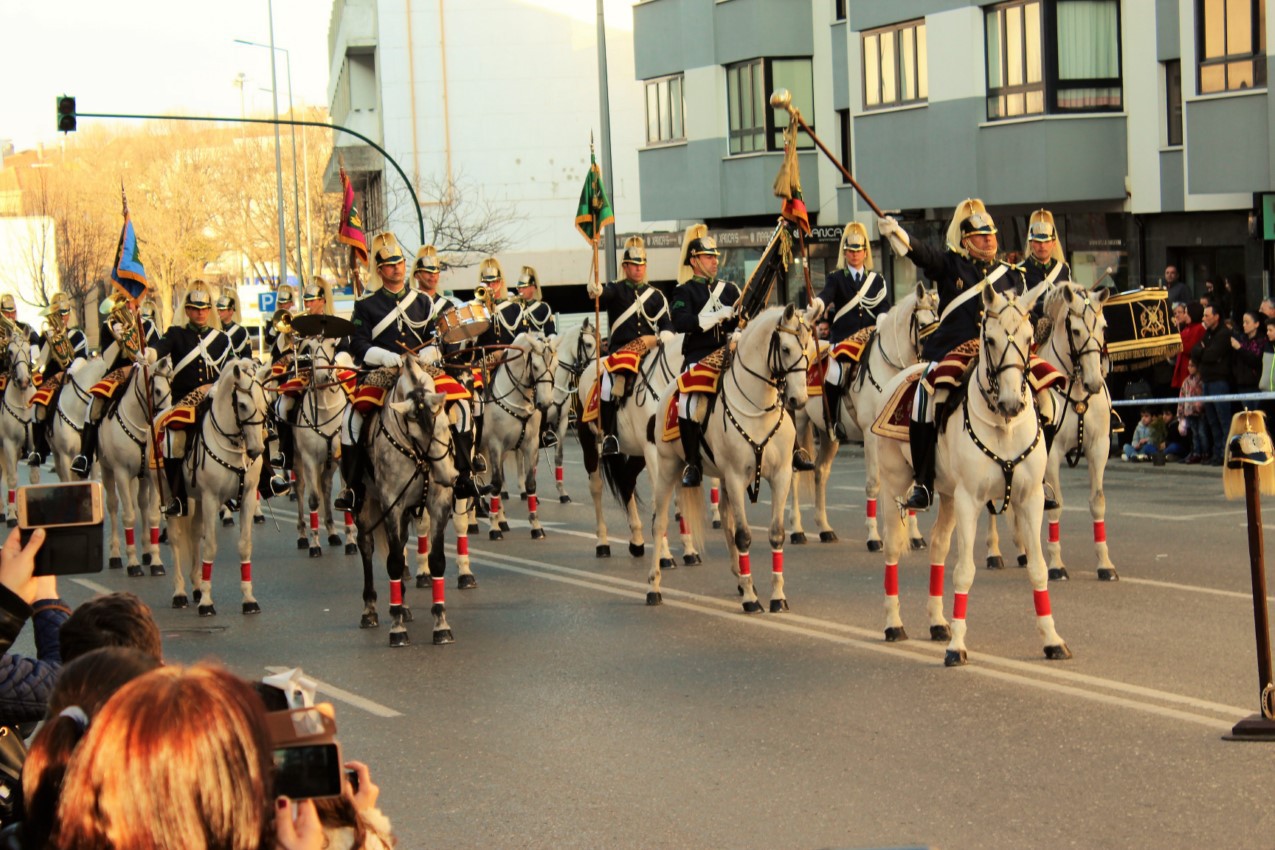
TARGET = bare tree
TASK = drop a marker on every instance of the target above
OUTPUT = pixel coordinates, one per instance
(460, 220)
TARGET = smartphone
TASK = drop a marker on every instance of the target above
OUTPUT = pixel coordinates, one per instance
(352, 777)
(308, 771)
(71, 515)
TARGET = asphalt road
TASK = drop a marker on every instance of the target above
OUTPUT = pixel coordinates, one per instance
(570, 714)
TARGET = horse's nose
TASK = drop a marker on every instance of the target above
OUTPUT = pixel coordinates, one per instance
(791, 404)
(1011, 408)
(253, 454)
(1093, 386)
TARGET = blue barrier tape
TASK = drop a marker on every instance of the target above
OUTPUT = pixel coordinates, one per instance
(1195, 398)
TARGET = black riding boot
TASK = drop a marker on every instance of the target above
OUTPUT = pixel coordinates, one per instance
(40, 437)
(465, 488)
(83, 462)
(353, 462)
(923, 438)
(269, 484)
(1048, 430)
(287, 447)
(832, 394)
(176, 487)
(608, 411)
(690, 431)
(479, 462)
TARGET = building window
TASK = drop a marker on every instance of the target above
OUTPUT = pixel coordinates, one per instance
(665, 110)
(843, 118)
(1173, 101)
(754, 126)
(1232, 44)
(362, 80)
(838, 10)
(894, 65)
(1058, 57)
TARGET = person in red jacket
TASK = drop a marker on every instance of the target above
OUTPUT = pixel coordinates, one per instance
(1188, 317)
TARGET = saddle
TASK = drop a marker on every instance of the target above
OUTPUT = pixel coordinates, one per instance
(186, 412)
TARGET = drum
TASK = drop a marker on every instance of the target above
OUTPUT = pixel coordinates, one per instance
(465, 322)
(1140, 330)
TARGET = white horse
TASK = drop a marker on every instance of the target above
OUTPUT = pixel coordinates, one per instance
(16, 420)
(518, 390)
(577, 348)
(748, 435)
(410, 446)
(895, 346)
(126, 450)
(72, 411)
(316, 440)
(1082, 420)
(990, 451)
(223, 461)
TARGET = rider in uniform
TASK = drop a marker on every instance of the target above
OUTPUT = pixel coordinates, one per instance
(228, 313)
(960, 270)
(506, 310)
(279, 344)
(638, 317)
(119, 327)
(9, 309)
(60, 346)
(317, 298)
(537, 315)
(150, 323)
(852, 299)
(198, 351)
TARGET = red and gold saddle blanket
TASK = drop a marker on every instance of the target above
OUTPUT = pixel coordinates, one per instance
(627, 357)
(448, 385)
(704, 375)
(893, 420)
(950, 371)
(111, 382)
(48, 389)
(183, 414)
(376, 385)
(593, 403)
(671, 430)
(850, 349)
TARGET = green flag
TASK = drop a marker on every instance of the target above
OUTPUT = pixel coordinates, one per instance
(594, 212)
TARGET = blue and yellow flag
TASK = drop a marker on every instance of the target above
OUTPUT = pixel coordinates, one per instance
(594, 211)
(128, 273)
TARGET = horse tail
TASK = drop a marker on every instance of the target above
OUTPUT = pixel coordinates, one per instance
(620, 472)
(694, 514)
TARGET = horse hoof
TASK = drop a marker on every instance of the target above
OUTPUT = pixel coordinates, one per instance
(1058, 653)
(251, 608)
(955, 658)
(798, 537)
(1105, 574)
(1022, 560)
(443, 637)
(334, 540)
(370, 621)
(227, 522)
(894, 634)
(466, 581)
(259, 519)
(1058, 574)
(917, 544)
(717, 523)
(181, 601)
(135, 571)
(537, 534)
(12, 522)
(753, 607)
(940, 633)
(692, 560)
(602, 552)
(399, 639)
(875, 545)
(115, 563)
(523, 496)
(158, 570)
(472, 529)
(504, 526)
(653, 598)
(995, 562)
(827, 537)
(637, 550)
(495, 534)
(504, 494)
(422, 580)
(207, 611)
(566, 500)
(197, 595)
(778, 606)
(351, 548)
(163, 534)
(146, 560)
(316, 551)
(668, 564)
(302, 543)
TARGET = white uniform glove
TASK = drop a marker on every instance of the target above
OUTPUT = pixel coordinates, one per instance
(595, 289)
(381, 357)
(894, 232)
(667, 337)
(713, 318)
(344, 360)
(430, 354)
(815, 310)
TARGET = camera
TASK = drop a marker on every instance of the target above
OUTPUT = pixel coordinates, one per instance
(71, 515)
(307, 758)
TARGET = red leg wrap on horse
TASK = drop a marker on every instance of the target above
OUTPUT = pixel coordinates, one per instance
(422, 545)
(128, 536)
(936, 579)
(533, 503)
(872, 508)
(462, 545)
(959, 603)
(439, 586)
(349, 518)
(1053, 532)
(495, 505)
(12, 496)
(314, 520)
(891, 579)
(154, 535)
(207, 570)
(1041, 598)
(1100, 531)
(396, 593)
(911, 514)
(245, 571)
(557, 474)
(712, 495)
(682, 525)
(745, 566)
(776, 560)
(292, 477)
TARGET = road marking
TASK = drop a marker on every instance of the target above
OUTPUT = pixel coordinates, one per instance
(341, 695)
(1181, 517)
(1021, 673)
(1172, 585)
(92, 585)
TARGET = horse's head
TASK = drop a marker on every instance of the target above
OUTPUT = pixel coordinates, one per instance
(542, 360)
(792, 350)
(161, 382)
(421, 408)
(586, 347)
(1005, 344)
(925, 312)
(1077, 315)
(19, 356)
(248, 403)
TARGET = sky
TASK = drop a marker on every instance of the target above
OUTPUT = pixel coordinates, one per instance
(153, 56)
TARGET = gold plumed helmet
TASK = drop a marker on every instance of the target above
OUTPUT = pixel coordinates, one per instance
(229, 300)
(1041, 229)
(528, 277)
(148, 310)
(695, 243)
(970, 218)
(7, 303)
(317, 290)
(854, 237)
(489, 271)
(285, 294)
(59, 302)
(1248, 443)
(385, 249)
(634, 251)
(427, 260)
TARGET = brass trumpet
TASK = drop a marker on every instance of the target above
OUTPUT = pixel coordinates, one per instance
(281, 321)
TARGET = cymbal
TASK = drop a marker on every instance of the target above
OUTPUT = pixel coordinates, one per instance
(329, 327)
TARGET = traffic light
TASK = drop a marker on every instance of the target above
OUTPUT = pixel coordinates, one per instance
(66, 114)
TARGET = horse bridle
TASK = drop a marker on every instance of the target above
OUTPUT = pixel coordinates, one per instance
(327, 364)
(528, 393)
(23, 357)
(574, 370)
(992, 391)
(1091, 346)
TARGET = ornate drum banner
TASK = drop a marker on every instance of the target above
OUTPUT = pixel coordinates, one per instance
(1140, 330)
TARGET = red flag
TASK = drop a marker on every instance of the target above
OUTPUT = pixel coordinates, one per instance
(351, 230)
